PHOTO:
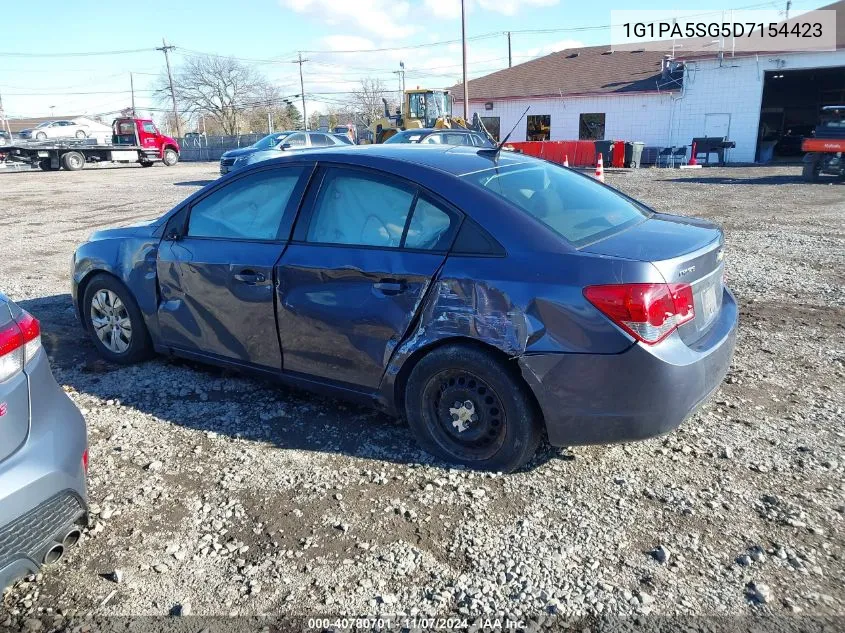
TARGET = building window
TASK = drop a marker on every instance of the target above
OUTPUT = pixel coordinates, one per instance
(492, 125)
(591, 126)
(539, 127)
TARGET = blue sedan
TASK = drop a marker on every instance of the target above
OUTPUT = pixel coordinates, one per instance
(490, 298)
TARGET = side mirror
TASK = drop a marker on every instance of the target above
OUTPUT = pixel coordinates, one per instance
(286, 146)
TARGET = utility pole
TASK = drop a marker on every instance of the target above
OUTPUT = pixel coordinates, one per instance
(3, 120)
(301, 61)
(788, 7)
(464, 41)
(132, 88)
(509, 50)
(166, 50)
(269, 121)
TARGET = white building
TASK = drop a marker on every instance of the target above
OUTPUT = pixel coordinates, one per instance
(591, 93)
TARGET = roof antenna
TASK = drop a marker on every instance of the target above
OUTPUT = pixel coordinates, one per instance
(494, 152)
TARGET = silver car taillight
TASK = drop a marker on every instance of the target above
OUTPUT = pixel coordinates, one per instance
(20, 341)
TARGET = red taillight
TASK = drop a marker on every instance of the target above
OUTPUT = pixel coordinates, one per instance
(19, 342)
(85, 460)
(649, 312)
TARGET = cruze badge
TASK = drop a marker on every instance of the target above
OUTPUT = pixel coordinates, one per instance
(686, 271)
(3, 409)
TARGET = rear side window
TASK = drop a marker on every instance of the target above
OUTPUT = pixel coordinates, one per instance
(429, 227)
(358, 209)
(249, 208)
(574, 207)
(296, 140)
(320, 140)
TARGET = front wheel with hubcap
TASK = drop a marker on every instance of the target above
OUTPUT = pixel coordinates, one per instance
(467, 406)
(114, 321)
(171, 157)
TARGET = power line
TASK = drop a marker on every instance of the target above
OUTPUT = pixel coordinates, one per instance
(85, 54)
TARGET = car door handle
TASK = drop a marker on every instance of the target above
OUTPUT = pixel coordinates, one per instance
(250, 277)
(390, 287)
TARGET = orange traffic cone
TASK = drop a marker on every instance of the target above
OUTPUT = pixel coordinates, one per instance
(566, 160)
(600, 170)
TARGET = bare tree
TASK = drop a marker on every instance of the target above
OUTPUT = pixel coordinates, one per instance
(221, 88)
(367, 100)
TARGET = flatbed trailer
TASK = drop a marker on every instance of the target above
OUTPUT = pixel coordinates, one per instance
(133, 141)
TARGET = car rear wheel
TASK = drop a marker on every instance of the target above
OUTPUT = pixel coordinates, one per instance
(171, 157)
(73, 161)
(466, 406)
(811, 171)
(114, 321)
(40, 136)
(80, 134)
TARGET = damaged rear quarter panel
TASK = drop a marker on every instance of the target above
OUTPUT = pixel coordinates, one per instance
(519, 304)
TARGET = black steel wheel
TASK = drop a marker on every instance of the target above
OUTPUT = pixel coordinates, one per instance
(465, 405)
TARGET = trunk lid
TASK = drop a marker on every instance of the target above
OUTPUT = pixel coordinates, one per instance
(684, 250)
(14, 400)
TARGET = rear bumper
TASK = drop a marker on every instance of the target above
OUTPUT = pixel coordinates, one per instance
(640, 393)
(42, 485)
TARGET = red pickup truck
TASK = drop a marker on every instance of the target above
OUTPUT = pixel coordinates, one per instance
(133, 141)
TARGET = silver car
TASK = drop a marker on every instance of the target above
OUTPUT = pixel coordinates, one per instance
(56, 129)
(43, 453)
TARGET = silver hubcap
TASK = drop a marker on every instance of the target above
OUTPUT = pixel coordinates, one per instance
(463, 414)
(111, 322)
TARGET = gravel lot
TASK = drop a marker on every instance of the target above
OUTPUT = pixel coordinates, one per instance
(218, 494)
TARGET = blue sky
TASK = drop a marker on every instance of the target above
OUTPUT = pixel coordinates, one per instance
(52, 71)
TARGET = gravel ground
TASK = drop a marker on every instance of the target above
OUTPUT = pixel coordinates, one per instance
(218, 494)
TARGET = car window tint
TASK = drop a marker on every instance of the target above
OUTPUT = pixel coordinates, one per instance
(320, 140)
(149, 128)
(247, 208)
(359, 210)
(576, 208)
(295, 140)
(429, 227)
(432, 139)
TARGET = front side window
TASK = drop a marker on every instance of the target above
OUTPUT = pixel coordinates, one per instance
(149, 128)
(249, 208)
(576, 208)
(539, 127)
(360, 210)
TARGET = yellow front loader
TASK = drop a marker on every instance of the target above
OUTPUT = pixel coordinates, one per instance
(421, 109)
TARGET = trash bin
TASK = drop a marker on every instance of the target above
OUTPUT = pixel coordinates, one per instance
(605, 148)
(633, 154)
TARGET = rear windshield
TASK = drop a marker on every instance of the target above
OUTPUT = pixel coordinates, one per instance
(576, 208)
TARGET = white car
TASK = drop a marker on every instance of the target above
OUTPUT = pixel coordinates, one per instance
(56, 129)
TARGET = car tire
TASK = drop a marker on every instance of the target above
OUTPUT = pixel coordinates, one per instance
(99, 303)
(73, 161)
(171, 157)
(40, 136)
(80, 134)
(146, 163)
(467, 406)
(811, 170)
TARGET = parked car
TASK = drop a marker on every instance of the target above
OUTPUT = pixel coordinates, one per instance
(488, 297)
(271, 145)
(435, 136)
(55, 129)
(43, 453)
